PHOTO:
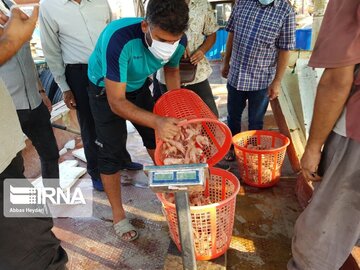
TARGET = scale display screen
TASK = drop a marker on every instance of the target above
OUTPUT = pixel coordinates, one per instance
(189, 175)
(165, 176)
(175, 177)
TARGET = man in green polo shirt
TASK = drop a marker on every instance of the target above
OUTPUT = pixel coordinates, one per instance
(127, 53)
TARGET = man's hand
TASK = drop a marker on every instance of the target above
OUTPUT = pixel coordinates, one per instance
(274, 89)
(167, 127)
(225, 70)
(310, 163)
(69, 100)
(46, 101)
(20, 27)
(197, 56)
(3, 18)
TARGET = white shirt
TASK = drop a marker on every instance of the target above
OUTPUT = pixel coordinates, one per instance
(11, 136)
(69, 32)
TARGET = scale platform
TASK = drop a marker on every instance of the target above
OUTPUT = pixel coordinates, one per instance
(173, 178)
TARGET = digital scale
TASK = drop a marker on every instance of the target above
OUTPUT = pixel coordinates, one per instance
(180, 179)
(172, 178)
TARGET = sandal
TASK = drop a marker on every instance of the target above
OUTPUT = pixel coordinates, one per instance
(123, 227)
(230, 156)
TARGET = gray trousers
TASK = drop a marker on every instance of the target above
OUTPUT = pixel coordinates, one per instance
(328, 229)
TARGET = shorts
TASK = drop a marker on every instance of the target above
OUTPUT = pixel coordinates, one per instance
(111, 129)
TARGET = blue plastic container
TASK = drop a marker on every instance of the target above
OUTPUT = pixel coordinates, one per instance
(303, 39)
(220, 45)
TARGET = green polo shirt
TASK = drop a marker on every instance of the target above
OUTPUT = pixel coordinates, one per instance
(122, 55)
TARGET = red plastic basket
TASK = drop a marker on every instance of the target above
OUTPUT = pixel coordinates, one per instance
(260, 168)
(213, 223)
(185, 104)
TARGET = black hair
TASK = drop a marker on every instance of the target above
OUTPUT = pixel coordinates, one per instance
(170, 15)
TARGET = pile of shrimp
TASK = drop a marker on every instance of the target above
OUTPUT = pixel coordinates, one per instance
(258, 147)
(186, 147)
(252, 163)
(195, 198)
(202, 235)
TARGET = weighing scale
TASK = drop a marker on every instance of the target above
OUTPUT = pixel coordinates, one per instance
(181, 179)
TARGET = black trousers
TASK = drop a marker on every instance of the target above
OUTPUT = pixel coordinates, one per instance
(76, 77)
(111, 128)
(203, 90)
(27, 243)
(37, 126)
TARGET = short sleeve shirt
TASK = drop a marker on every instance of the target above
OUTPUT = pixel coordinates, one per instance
(202, 23)
(122, 55)
(259, 33)
(338, 45)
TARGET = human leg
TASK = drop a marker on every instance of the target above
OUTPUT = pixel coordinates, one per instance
(111, 139)
(27, 243)
(235, 106)
(37, 126)
(142, 99)
(258, 103)
(329, 227)
(76, 76)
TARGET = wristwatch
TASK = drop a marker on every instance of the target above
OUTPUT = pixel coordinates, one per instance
(42, 91)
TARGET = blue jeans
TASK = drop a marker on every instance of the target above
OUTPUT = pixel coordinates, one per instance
(258, 103)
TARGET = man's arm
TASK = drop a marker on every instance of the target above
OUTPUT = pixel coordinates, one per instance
(41, 90)
(172, 78)
(228, 51)
(17, 31)
(332, 92)
(209, 30)
(199, 54)
(165, 127)
(282, 62)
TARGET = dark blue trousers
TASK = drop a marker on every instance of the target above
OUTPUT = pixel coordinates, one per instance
(258, 102)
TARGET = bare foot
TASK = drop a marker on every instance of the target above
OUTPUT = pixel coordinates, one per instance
(127, 236)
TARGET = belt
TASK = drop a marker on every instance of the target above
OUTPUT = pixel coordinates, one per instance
(77, 66)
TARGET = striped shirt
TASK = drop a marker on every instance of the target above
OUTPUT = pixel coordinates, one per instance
(259, 33)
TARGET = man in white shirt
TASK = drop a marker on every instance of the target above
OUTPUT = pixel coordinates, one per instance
(25, 243)
(69, 31)
(33, 107)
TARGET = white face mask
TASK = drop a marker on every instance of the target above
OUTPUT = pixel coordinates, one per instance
(266, 2)
(162, 50)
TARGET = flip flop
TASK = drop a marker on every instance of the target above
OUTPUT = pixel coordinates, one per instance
(123, 227)
(230, 156)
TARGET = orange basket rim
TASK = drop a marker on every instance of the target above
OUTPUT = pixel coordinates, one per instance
(187, 122)
(163, 96)
(203, 207)
(261, 132)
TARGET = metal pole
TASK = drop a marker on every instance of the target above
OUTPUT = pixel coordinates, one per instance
(185, 230)
(71, 130)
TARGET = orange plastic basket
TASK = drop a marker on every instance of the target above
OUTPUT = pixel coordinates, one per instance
(185, 104)
(213, 223)
(260, 168)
